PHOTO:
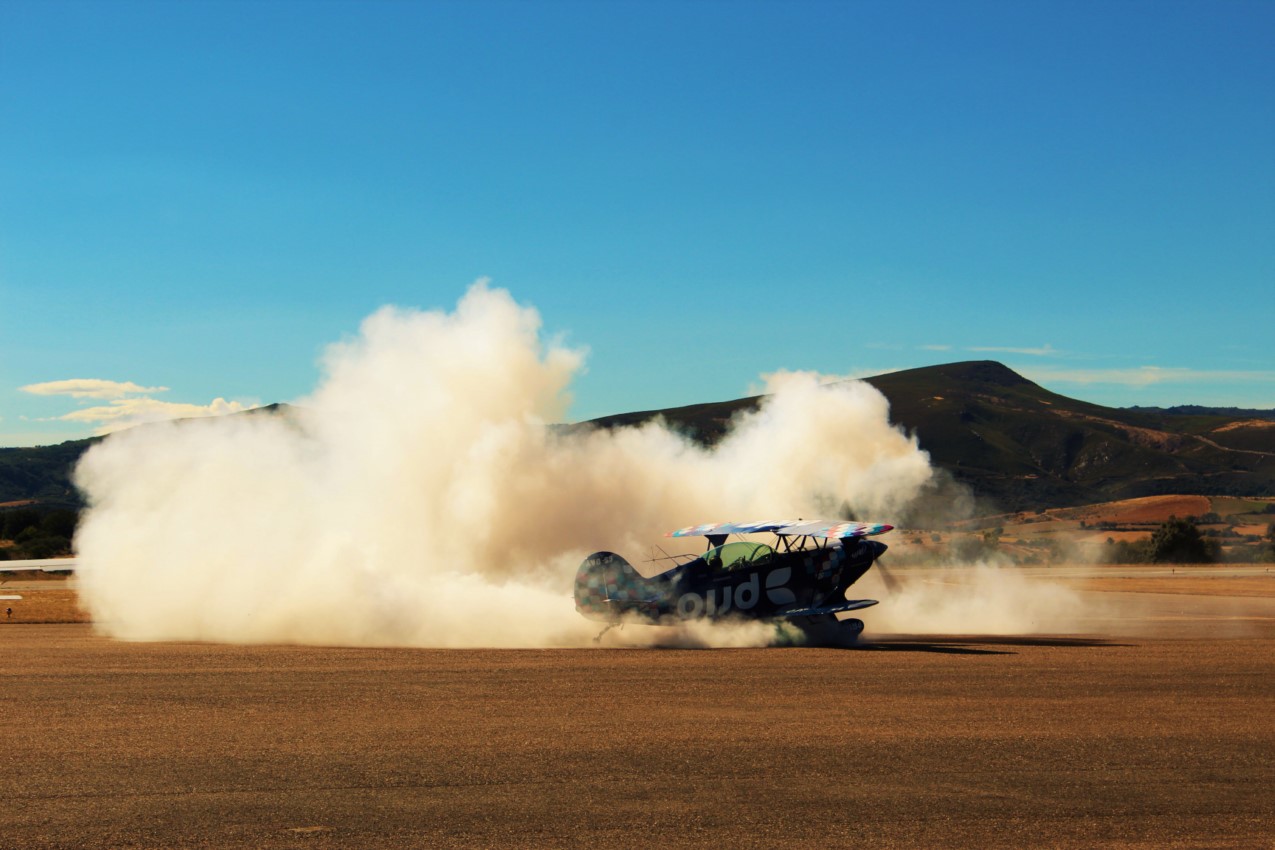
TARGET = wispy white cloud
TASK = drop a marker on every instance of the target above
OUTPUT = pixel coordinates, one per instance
(770, 381)
(1044, 351)
(91, 388)
(1144, 376)
(128, 404)
(127, 412)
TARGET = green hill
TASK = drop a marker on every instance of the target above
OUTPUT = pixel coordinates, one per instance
(42, 474)
(1014, 443)
(1023, 447)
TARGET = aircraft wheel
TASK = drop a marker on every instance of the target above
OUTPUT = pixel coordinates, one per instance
(830, 631)
(852, 627)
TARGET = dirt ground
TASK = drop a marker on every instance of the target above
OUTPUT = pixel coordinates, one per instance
(1189, 585)
(40, 604)
(949, 741)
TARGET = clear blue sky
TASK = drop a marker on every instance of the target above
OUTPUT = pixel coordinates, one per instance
(200, 196)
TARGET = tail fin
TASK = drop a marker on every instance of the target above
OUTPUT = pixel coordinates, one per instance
(607, 586)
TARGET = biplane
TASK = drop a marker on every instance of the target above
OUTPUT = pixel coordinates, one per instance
(801, 579)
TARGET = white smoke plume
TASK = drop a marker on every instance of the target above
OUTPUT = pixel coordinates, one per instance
(418, 498)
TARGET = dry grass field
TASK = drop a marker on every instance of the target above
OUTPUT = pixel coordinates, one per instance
(1142, 510)
(923, 741)
(1190, 584)
(51, 603)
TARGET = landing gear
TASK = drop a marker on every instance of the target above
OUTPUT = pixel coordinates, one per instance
(829, 631)
(609, 627)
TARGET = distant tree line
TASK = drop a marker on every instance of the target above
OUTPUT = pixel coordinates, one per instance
(1180, 541)
(32, 533)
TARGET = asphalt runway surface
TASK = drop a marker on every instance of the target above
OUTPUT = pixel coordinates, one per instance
(951, 741)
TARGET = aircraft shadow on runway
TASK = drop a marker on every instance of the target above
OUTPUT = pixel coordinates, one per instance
(972, 644)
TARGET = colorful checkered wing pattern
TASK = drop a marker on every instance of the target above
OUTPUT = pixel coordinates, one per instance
(732, 528)
(786, 528)
(835, 530)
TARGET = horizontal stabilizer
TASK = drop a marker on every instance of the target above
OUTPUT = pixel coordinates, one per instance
(851, 605)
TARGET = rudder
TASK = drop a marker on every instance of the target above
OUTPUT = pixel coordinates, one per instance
(608, 586)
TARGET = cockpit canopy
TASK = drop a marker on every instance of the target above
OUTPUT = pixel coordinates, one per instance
(739, 555)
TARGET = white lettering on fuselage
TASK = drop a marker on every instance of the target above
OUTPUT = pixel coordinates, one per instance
(743, 596)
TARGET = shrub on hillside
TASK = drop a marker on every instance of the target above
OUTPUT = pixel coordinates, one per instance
(1179, 541)
(1126, 552)
(1248, 554)
(47, 547)
(13, 523)
(59, 523)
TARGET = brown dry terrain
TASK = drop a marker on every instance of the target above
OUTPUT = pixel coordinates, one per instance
(1065, 741)
(1146, 509)
(1258, 424)
(1239, 528)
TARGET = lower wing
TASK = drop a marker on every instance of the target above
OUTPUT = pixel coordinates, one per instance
(851, 605)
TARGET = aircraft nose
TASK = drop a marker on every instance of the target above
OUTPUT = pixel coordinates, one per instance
(864, 550)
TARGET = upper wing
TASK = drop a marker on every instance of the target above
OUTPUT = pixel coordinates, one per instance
(732, 528)
(48, 565)
(786, 528)
(821, 528)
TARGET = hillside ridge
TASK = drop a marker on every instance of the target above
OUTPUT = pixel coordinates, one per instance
(1020, 446)
(1016, 445)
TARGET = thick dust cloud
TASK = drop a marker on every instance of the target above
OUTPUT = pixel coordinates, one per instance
(984, 598)
(420, 497)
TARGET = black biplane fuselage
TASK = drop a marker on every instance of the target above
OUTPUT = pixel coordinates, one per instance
(802, 579)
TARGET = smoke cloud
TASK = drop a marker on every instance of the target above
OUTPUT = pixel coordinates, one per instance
(982, 598)
(420, 497)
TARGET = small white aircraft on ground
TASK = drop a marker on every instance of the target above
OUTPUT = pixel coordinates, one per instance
(43, 565)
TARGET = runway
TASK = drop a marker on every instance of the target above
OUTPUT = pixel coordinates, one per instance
(908, 742)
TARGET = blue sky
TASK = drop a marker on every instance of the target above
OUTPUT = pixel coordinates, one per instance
(195, 198)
